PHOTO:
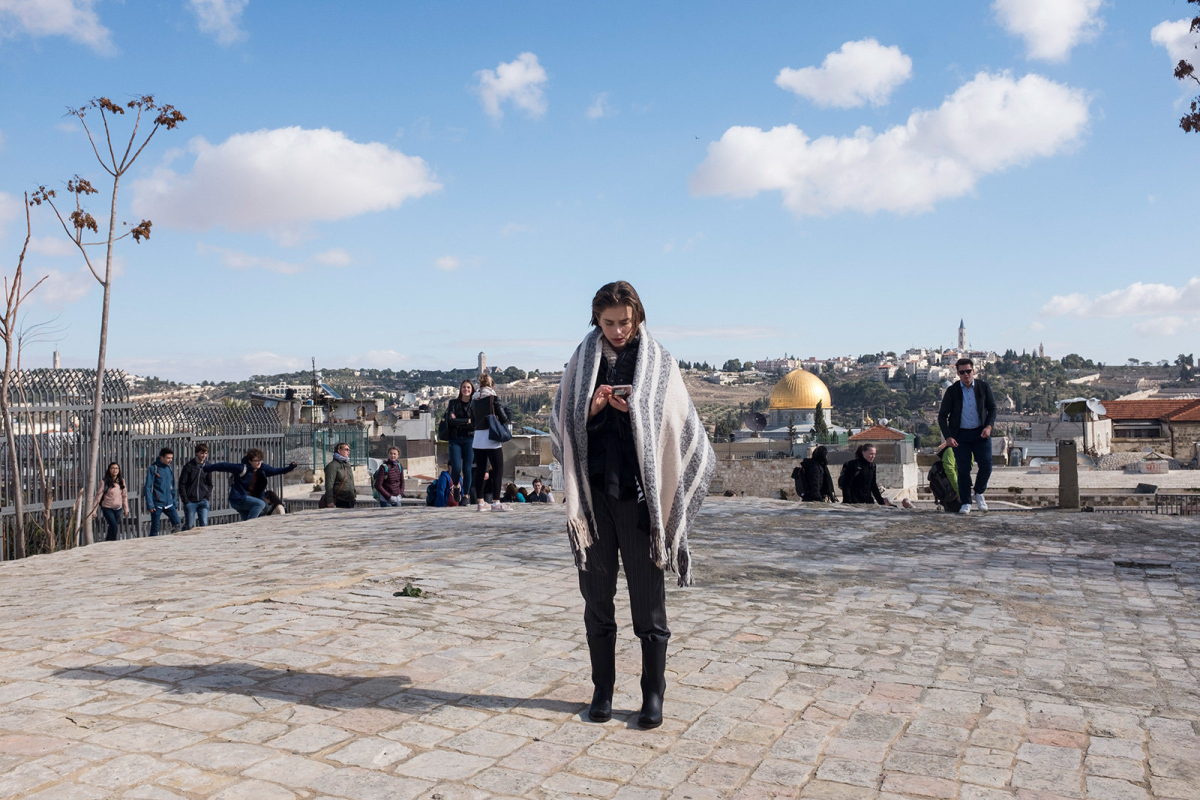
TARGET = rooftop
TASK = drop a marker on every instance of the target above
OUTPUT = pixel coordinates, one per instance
(1151, 409)
(833, 653)
(878, 433)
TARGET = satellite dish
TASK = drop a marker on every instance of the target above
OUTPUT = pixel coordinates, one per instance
(755, 421)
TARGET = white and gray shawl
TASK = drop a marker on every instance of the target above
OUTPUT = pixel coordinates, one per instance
(673, 450)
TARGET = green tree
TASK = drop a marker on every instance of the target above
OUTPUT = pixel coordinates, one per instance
(732, 365)
(820, 427)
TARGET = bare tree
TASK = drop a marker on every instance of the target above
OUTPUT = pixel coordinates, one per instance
(14, 296)
(1184, 70)
(165, 116)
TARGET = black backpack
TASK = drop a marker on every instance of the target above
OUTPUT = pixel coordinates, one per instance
(801, 476)
(943, 490)
(846, 478)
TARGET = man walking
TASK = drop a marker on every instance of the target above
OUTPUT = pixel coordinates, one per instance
(159, 491)
(966, 418)
(195, 487)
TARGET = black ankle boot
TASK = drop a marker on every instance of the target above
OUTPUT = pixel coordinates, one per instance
(603, 650)
(654, 683)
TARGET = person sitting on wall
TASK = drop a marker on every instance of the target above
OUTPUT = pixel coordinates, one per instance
(248, 482)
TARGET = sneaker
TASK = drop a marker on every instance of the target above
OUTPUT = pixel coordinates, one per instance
(499, 507)
(980, 502)
(481, 506)
(965, 509)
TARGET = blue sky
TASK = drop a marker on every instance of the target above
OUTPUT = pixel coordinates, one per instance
(403, 185)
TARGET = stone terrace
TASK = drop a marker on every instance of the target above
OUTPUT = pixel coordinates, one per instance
(836, 654)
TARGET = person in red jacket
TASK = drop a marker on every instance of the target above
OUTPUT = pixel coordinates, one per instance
(389, 480)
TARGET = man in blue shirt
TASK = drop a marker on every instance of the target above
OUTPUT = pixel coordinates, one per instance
(966, 418)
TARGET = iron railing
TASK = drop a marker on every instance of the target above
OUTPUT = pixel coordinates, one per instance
(51, 425)
(1179, 505)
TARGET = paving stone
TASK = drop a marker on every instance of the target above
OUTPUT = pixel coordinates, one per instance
(444, 765)
(362, 784)
(289, 770)
(254, 790)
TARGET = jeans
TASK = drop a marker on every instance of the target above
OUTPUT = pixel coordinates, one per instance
(393, 503)
(155, 514)
(462, 453)
(248, 507)
(496, 472)
(113, 517)
(195, 515)
(972, 444)
(623, 526)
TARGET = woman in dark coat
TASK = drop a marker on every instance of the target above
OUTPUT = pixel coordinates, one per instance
(489, 454)
(816, 484)
(460, 431)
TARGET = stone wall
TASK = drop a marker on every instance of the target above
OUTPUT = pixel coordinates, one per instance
(754, 477)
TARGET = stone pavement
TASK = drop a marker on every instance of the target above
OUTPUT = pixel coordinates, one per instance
(837, 654)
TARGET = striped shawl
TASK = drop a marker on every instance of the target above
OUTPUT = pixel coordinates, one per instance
(673, 451)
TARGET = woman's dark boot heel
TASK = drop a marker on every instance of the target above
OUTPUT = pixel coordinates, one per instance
(603, 651)
(654, 683)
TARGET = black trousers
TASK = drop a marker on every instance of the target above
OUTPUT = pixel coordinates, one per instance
(494, 457)
(624, 527)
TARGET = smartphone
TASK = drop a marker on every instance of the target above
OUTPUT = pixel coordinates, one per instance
(622, 391)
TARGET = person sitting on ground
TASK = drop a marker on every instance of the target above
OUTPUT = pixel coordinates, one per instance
(248, 482)
(537, 494)
(389, 480)
(857, 481)
(159, 491)
(339, 479)
(510, 493)
(274, 504)
(813, 481)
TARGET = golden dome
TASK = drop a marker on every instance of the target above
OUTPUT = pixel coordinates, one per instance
(800, 389)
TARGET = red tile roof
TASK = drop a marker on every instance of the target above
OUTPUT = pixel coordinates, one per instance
(1146, 409)
(1189, 413)
(878, 433)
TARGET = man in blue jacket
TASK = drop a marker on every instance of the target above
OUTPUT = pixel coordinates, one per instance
(248, 481)
(966, 418)
(159, 491)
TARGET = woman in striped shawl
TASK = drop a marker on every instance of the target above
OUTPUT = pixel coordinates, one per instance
(636, 467)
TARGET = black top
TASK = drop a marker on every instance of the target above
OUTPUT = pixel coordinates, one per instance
(463, 423)
(195, 484)
(950, 414)
(482, 406)
(813, 481)
(612, 457)
(859, 484)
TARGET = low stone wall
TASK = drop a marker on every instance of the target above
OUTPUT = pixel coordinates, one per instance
(752, 477)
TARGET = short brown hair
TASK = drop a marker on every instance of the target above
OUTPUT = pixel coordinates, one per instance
(254, 453)
(618, 293)
(963, 361)
(201, 448)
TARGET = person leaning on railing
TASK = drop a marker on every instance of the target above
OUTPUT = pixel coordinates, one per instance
(248, 481)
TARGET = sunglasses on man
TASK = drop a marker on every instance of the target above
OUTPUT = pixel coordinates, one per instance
(965, 371)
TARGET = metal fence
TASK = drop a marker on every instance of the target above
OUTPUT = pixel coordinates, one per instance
(52, 422)
(312, 446)
(1181, 505)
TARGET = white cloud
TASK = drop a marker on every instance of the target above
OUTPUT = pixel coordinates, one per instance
(1163, 326)
(447, 263)
(220, 18)
(1177, 38)
(379, 359)
(280, 181)
(1050, 28)
(11, 208)
(337, 257)
(518, 82)
(74, 19)
(600, 107)
(989, 124)
(52, 246)
(860, 72)
(1137, 299)
(62, 288)
(238, 260)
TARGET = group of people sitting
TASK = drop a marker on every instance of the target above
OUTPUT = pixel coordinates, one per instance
(248, 492)
(857, 480)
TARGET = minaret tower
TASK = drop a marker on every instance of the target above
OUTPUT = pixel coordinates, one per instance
(962, 335)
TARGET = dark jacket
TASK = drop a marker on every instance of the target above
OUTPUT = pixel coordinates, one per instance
(536, 497)
(858, 483)
(950, 414)
(463, 423)
(389, 480)
(195, 485)
(339, 475)
(483, 406)
(246, 482)
(159, 490)
(817, 483)
(612, 456)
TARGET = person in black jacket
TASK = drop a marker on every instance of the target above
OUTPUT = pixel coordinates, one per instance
(858, 481)
(460, 430)
(966, 418)
(195, 487)
(813, 481)
(489, 454)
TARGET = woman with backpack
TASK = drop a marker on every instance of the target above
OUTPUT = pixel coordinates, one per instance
(813, 481)
(389, 480)
(636, 467)
(460, 436)
(489, 453)
(858, 482)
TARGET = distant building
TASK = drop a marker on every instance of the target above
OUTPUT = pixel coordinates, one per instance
(1168, 427)
(776, 365)
(482, 363)
(794, 401)
(962, 335)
